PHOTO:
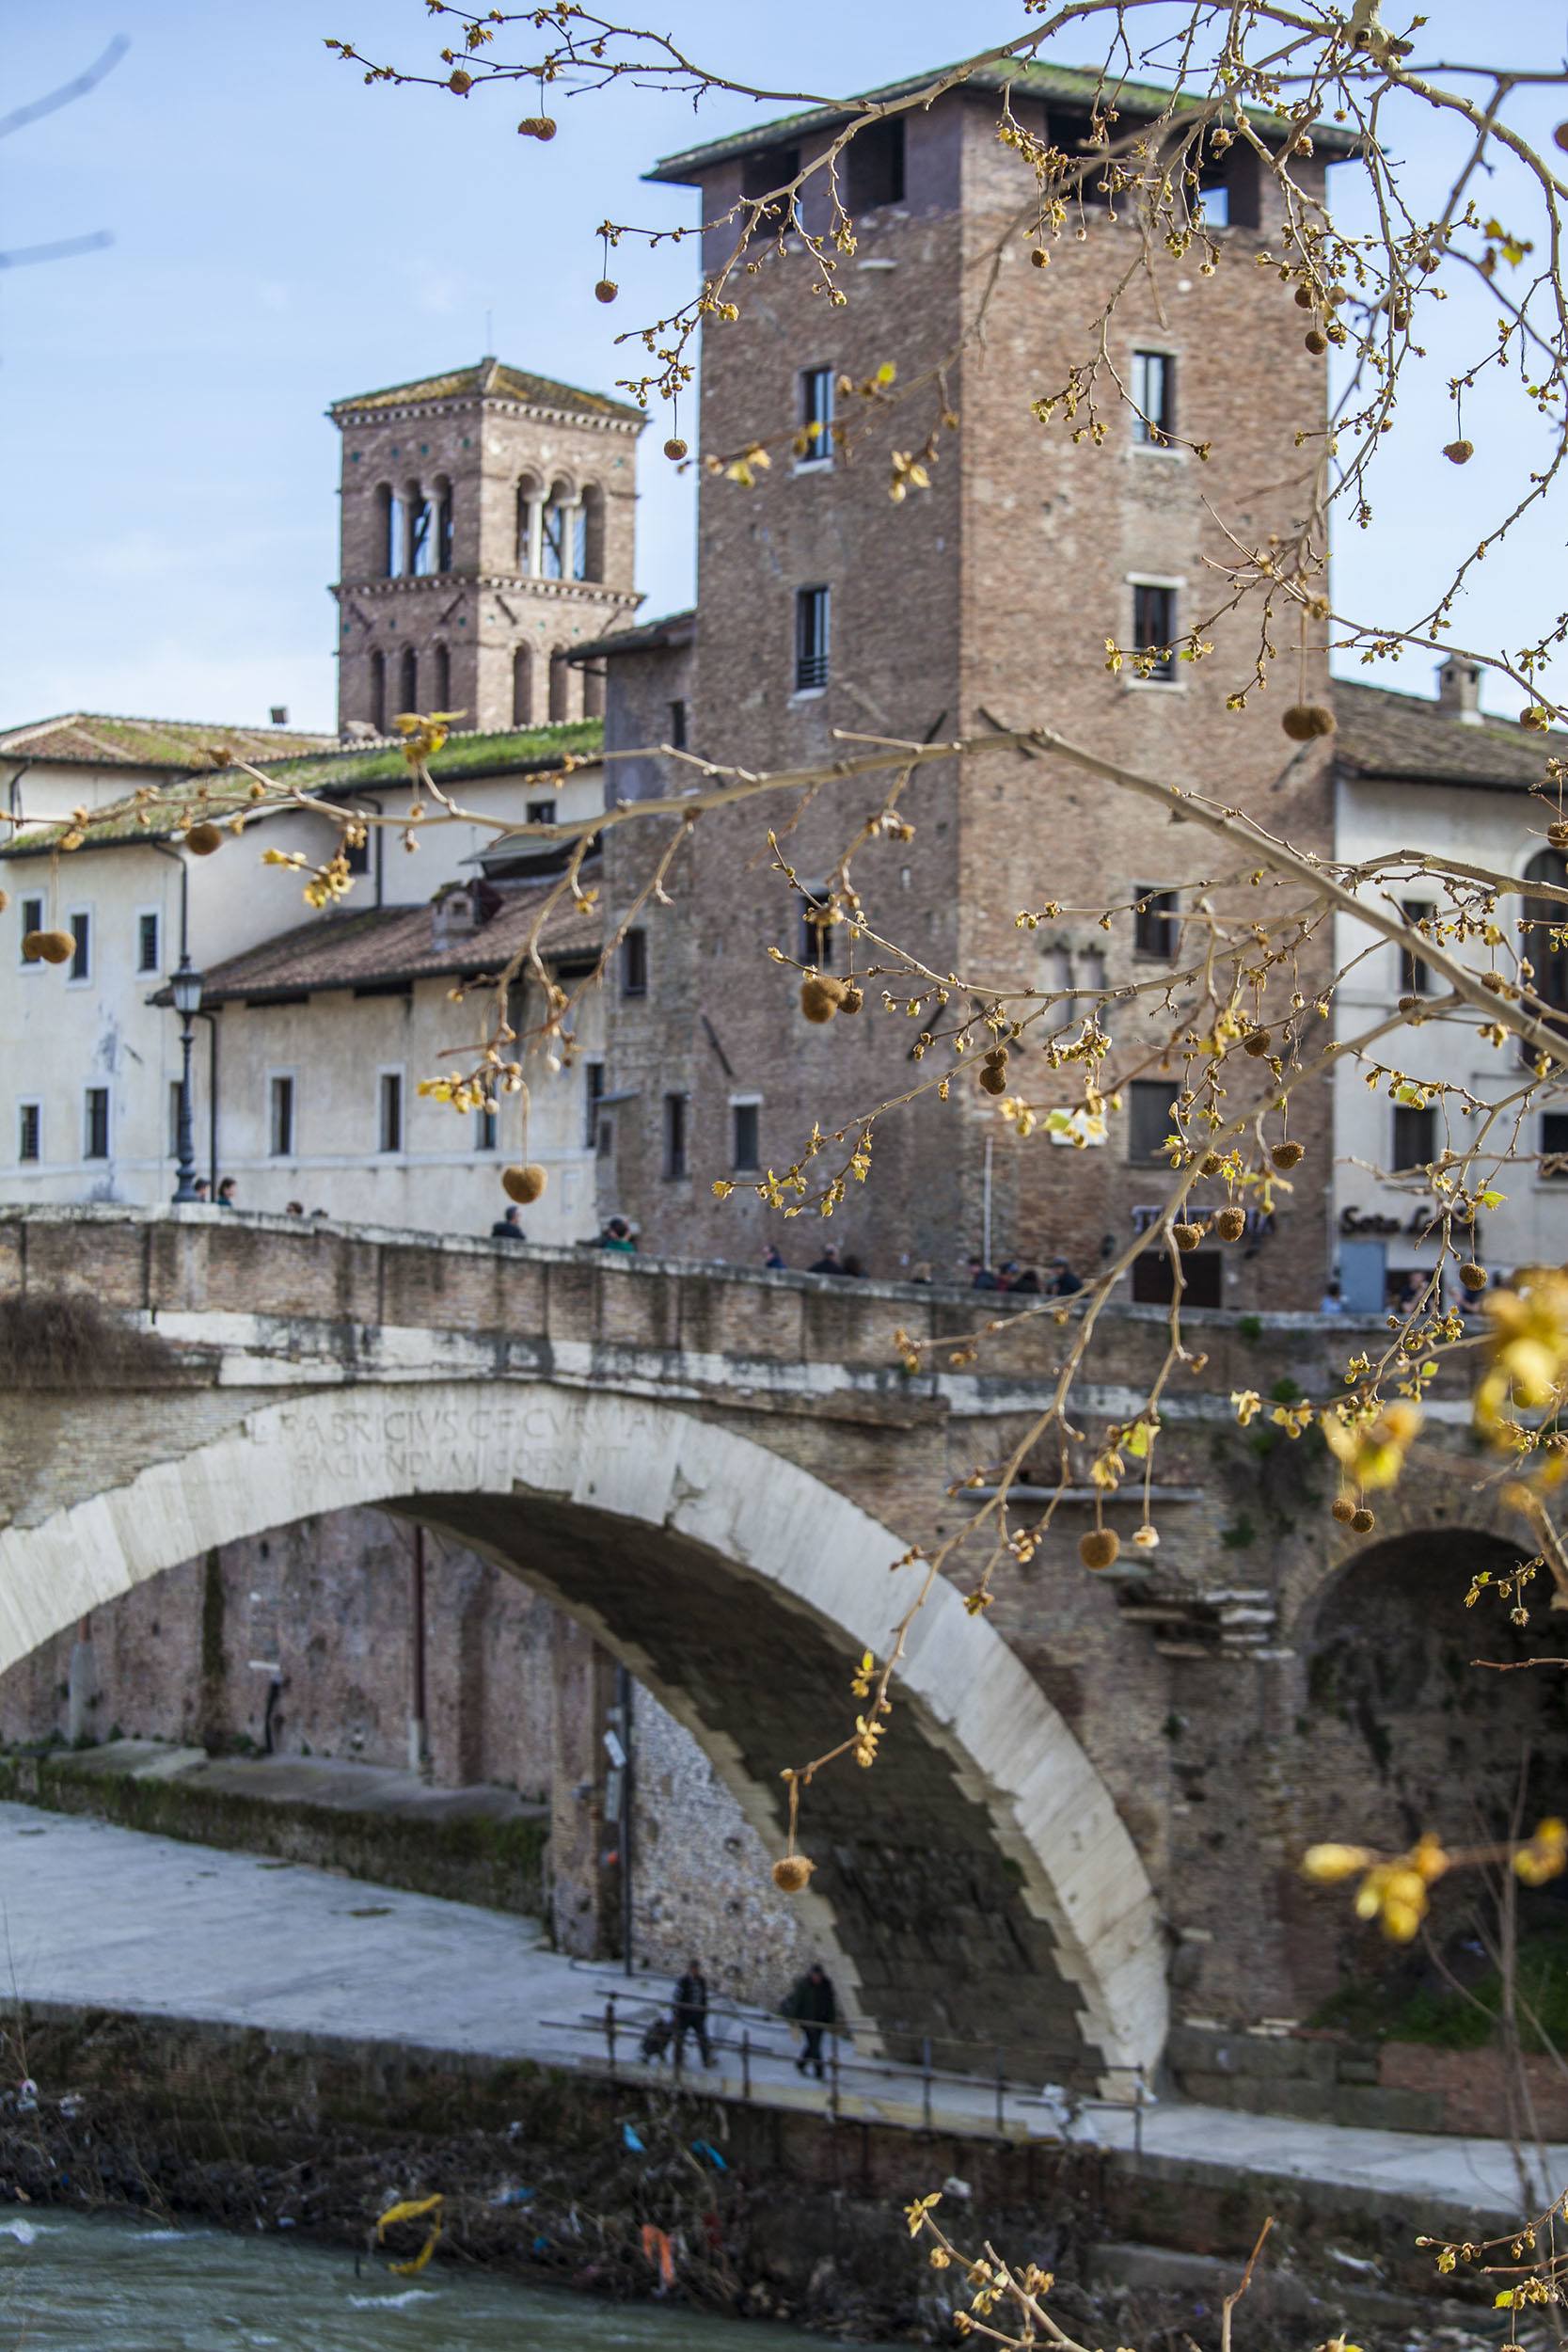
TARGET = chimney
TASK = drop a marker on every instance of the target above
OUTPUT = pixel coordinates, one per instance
(1459, 688)
(280, 714)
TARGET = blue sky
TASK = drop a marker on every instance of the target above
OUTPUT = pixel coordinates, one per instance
(284, 236)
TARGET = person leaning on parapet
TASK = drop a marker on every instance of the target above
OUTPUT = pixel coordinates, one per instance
(294, 1208)
(690, 2011)
(226, 1194)
(617, 1235)
(773, 1258)
(980, 1275)
(814, 2008)
(1063, 1282)
(830, 1261)
(204, 1192)
(1333, 1297)
(508, 1226)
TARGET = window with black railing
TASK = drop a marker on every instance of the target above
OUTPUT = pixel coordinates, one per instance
(811, 640)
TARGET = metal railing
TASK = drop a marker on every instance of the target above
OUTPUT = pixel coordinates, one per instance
(626, 2017)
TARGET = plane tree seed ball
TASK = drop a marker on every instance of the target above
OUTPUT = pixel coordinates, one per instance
(675, 449)
(1187, 1236)
(1363, 1521)
(1459, 453)
(203, 839)
(853, 998)
(820, 996)
(524, 1184)
(1473, 1277)
(1230, 1224)
(1099, 1549)
(1343, 1509)
(51, 947)
(606, 290)
(792, 1872)
(1286, 1155)
(1303, 721)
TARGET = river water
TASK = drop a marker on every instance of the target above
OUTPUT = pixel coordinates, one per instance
(70, 2284)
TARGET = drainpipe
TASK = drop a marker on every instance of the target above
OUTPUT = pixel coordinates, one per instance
(418, 1743)
(211, 1020)
(623, 1828)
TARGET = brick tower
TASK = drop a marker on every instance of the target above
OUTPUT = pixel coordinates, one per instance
(488, 526)
(984, 600)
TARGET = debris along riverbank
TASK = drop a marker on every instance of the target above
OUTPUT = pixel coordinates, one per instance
(632, 2191)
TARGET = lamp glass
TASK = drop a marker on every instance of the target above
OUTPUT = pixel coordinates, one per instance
(185, 989)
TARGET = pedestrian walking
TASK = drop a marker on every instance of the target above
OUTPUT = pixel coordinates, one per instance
(814, 2010)
(690, 2011)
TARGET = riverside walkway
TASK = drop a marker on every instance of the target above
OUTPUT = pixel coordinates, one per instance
(98, 1916)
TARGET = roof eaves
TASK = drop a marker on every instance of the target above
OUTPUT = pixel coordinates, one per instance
(676, 629)
(1064, 81)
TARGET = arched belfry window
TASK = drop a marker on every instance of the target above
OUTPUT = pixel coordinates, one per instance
(443, 525)
(377, 712)
(522, 688)
(530, 513)
(591, 534)
(421, 533)
(440, 689)
(388, 531)
(561, 514)
(408, 680)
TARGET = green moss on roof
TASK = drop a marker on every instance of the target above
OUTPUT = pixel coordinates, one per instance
(1029, 78)
(495, 378)
(218, 793)
(101, 739)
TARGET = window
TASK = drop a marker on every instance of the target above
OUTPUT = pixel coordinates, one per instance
(1148, 1119)
(31, 912)
(561, 686)
(747, 1139)
(378, 692)
(634, 964)
(1217, 204)
(1153, 398)
(95, 1123)
(760, 174)
(592, 1095)
(176, 1097)
(356, 854)
(390, 530)
(280, 1142)
(1554, 1146)
(522, 688)
(408, 679)
(541, 812)
(579, 542)
(1154, 1285)
(443, 527)
(147, 943)
(675, 1138)
(485, 1127)
(1154, 627)
(1543, 915)
(816, 937)
(1415, 979)
(558, 543)
(1156, 923)
(528, 516)
(29, 1131)
(1415, 1134)
(677, 726)
(389, 1104)
(811, 640)
(817, 417)
(874, 167)
(80, 927)
(593, 548)
(440, 692)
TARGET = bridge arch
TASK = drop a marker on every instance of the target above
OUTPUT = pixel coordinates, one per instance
(981, 1876)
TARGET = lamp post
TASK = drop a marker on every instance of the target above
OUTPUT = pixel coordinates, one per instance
(185, 989)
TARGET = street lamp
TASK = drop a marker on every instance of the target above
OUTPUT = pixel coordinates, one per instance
(185, 989)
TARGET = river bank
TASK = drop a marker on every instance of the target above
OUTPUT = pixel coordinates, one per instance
(552, 2176)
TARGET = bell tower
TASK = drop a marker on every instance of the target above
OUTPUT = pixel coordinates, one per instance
(488, 527)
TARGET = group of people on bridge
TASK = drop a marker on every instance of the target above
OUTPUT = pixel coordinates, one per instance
(811, 2005)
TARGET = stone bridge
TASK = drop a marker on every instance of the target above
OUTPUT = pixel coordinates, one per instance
(1087, 1796)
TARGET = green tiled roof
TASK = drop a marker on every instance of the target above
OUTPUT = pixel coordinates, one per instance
(494, 377)
(217, 793)
(1030, 78)
(93, 738)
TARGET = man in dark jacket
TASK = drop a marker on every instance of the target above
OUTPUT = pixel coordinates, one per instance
(691, 2007)
(813, 2010)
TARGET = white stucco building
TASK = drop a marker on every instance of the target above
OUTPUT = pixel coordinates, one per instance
(1437, 779)
(316, 1027)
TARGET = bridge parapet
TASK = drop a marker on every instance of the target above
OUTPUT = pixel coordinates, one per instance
(308, 1289)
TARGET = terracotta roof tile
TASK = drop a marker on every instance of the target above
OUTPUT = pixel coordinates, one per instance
(378, 946)
(495, 378)
(1408, 737)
